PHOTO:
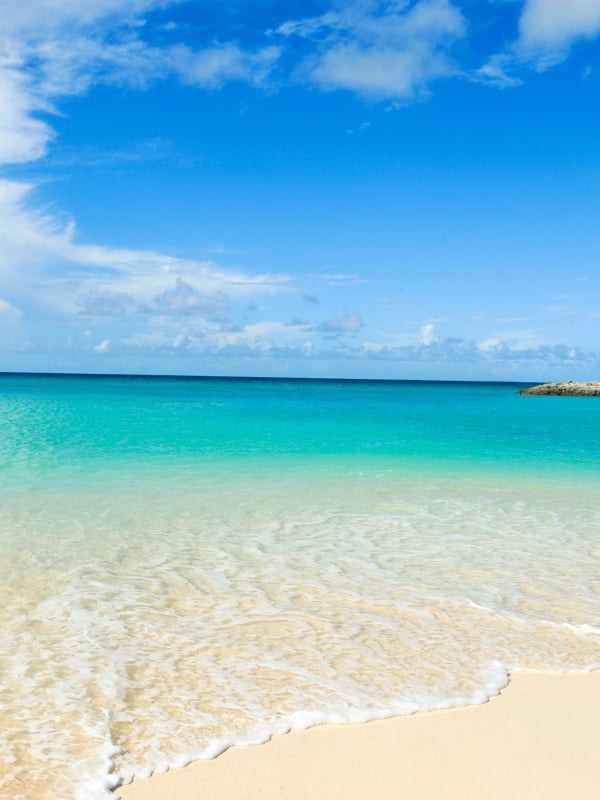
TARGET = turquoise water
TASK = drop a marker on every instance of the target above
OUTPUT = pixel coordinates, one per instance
(64, 428)
(189, 563)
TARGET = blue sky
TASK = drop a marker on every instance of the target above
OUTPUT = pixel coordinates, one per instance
(359, 189)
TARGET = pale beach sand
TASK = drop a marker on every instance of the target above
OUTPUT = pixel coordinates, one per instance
(538, 740)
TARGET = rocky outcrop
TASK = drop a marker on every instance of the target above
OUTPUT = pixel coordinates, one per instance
(573, 388)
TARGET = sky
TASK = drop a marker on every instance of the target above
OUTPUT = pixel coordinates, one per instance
(406, 189)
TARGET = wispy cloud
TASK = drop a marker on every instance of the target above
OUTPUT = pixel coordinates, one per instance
(116, 155)
(547, 30)
(496, 72)
(379, 49)
(218, 249)
(562, 311)
(507, 320)
(8, 311)
(347, 323)
(52, 51)
(23, 137)
(216, 65)
(338, 278)
(183, 299)
(103, 347)
(42, 258)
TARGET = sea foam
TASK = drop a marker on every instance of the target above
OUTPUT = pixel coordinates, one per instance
(143, 632)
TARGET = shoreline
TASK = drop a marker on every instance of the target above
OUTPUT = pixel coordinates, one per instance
(537, 738)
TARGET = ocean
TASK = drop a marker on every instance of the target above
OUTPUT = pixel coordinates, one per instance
(190, 563)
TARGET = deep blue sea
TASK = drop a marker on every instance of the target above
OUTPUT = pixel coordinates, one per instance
(188, 563)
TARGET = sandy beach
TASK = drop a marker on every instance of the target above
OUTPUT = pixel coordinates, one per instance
(537, 740)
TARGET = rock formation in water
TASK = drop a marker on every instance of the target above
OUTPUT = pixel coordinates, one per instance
(574, 388)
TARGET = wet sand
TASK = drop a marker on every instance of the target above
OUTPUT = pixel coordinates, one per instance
(539, 739)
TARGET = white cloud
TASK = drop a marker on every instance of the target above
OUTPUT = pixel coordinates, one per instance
(107, 304)
(62, 47)
(489, 345)
(550, 26)
(260, 337)
(72, 67)
(417, 341)
(374, 71)
(103, 347)
(31, 16)
(22, 137)
(514, 341)
(183, 299)
(51, 49)
(503, 354)
(215, 65)
(94, 280)
(63, 67)
(547, 30)
(347, 323)
(427, 334)
(309, 26)
(8, 311)
(381, 49)
(495, 72)
(27, 237)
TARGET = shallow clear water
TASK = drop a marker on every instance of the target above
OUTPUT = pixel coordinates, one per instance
(187, 563)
